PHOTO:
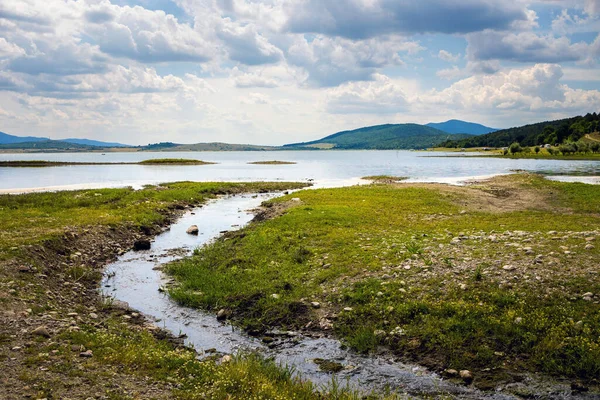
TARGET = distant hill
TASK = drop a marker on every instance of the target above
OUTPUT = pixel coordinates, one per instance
(46, 145)
(458, 126)
(549, 132)
(5, 138)
(382, 137)
(207, 147)
(88, 142)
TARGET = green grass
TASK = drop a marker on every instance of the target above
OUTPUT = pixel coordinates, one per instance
(274, 162)
(173, 161)
(384, 178)
(245, 376)
(388, 253)
(35, 217)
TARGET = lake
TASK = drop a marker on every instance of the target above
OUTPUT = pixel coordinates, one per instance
(326, 168)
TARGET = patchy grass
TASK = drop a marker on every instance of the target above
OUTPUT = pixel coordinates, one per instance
(130, 358)
(32, 218)
(488, 278)
(243, 377)
(384, 178)
(173, 161)
(274, 162)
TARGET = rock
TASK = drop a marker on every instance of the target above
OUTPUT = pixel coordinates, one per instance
(451, 373)
(193, 230)
(41, 331)
(142, 244)
(466, 376)
(268, 339)
(275, 296)
(226, 359)
(223, 314)
(93, 316)
(518, 320)
(589, 247)
(509, 268)
(578, 387)
(348, 309)
(315, 304)
(27, 268)
(86, 354)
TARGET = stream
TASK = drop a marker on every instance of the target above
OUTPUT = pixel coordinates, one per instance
(135, 278)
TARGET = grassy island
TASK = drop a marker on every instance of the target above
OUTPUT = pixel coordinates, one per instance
(274, 162)
(173, 161)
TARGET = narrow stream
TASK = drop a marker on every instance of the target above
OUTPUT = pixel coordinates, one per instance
(135, 278)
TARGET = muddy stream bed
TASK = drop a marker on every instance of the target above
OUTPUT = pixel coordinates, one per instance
(135, 278)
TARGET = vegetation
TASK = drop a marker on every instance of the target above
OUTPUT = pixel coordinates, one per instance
(384, 178)
(173, 161)
(54, 235)
(497, 278)
(383, 137)
(274, 162)
(552, 132)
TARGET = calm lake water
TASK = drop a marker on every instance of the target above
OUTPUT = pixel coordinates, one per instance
(326, 168)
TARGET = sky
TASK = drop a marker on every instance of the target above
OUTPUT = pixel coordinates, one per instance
(281, 71)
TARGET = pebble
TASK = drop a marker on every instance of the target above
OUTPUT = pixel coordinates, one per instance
(226, 359)
(589, 247)
(41, 331)
(509, 268)
(315, 304)
(466, 376)
(86, 354)
(348, 308)
(193, 230)
(275, 296)
(93, 316)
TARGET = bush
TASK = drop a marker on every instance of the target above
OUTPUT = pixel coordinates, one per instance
(537, 149)
(515, 148)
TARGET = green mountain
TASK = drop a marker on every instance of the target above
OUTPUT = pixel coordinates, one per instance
(458, 126)
(549, 132)
(382, 137)
(26, 141)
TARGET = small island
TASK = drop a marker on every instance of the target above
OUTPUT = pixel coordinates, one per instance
(156, 161)
(274, 162)
(174, 161)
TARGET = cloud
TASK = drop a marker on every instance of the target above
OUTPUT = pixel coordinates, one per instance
(145, 35)
(448, 57)
(537, 88)
(381, 96)
(68, 58)
(247, 46)
(523, 47)
(361, 19)
(332, 61)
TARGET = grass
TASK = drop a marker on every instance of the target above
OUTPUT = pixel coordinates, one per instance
(384, 178)
(274, 162)
(156, 161)
(35, 217)
(123, 354)
(245, 376)
(421, 270)
(173, 161)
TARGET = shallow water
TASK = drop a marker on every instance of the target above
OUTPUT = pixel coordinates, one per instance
(134, 279)
(327, 168)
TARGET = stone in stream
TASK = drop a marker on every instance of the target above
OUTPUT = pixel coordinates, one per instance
(142, 244)
(193, 230)
(466, 376)
(223, 314)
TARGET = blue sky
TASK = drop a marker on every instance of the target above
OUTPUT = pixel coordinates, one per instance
(280, 71)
